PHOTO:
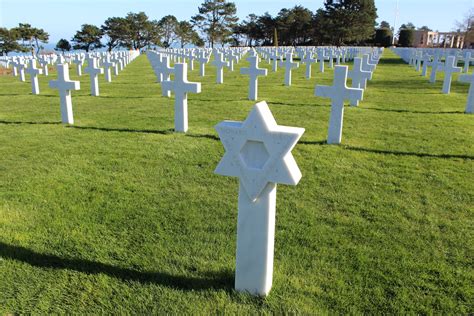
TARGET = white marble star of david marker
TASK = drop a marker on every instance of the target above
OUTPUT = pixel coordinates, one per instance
(258, 152)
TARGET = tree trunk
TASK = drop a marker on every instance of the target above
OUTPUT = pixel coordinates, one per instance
(37, 46)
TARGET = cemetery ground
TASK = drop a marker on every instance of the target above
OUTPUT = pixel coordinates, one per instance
(119, 214)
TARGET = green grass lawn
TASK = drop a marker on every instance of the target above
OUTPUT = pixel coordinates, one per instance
(118, 214)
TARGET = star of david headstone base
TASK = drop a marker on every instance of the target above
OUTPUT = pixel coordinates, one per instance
(255, 242)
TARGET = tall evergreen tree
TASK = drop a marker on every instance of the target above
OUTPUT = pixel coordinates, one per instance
(8, 41)
(25, 33)
(63, 45)
(216, 19)
(87, 38)
(169, 29)
(250, 29)
(114, 29)
(347, 21)
(384, 25)
(425, 28)
(31, 37)
(407, 26)
(267, 25)
(383, 37)
(321, 35)
(137, 26)
(275, 38)
(406, 37)
(153, 35)
(40, 37)
(294, 26)
(140, 31)
(187, 35)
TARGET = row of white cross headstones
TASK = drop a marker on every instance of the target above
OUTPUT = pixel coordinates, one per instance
(445, 61)
(28, 65)
(63, 83)
(360, 74)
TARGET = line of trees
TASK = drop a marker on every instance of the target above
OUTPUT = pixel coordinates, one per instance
(136, 31)
(338, 22)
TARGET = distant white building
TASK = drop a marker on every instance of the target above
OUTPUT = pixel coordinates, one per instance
(443, 39)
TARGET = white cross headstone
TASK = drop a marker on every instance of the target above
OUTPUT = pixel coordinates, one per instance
(191, 60)
(156, 61)
(121, 62)
(436, 65)
(419, 57)
(107, 65)
(449, 69)
(253, 71)
(412, 57)
(321, 58)
(308, 60)
(275, 58)
(93, 70)
(258, 152)
(366, 65)
(467, 61)
(359, 78)
(20, 64)
(43, 62)
(34, 72)
(203, 60)
(373, 60)
(166, 71)
(15, 67)
(65, 85)
(181, 86)
(331, 58)
(426, 62)
(231, 58)
(117, 62)
(79, 61)
(338, 58)
(338, 92)
(289, 66)
(469, 78)
(220, 63)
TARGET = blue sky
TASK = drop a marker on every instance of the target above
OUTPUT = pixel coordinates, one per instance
(61, 18)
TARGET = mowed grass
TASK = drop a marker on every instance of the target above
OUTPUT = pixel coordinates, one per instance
(118, 214)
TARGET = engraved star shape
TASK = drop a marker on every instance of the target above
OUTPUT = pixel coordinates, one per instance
(274, 143)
